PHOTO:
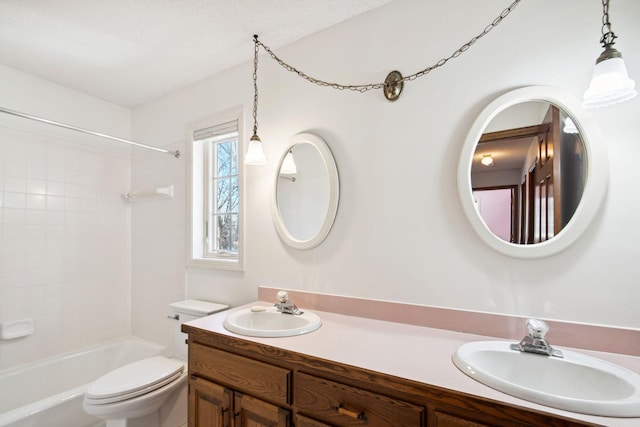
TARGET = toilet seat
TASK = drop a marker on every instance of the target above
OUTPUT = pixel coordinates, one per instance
(133, 380)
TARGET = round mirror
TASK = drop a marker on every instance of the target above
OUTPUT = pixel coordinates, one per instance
(533, 172)
(306, 192)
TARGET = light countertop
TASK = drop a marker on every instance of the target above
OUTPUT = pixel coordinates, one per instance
(416, 353)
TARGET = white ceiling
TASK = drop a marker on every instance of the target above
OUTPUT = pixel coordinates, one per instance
(131, 51)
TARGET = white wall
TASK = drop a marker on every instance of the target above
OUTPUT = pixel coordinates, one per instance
(400, 233)
(64, 231)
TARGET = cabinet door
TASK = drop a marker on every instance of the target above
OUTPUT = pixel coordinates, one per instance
(251, 412)
(209, 404)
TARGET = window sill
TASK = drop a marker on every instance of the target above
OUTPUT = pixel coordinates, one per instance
(216, 263)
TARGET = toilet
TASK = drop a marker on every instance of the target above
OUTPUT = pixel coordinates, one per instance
(132, 395)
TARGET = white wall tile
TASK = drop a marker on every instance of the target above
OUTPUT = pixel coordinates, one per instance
(15, 200)
(64, 247)
(36, 186)
(16, 184)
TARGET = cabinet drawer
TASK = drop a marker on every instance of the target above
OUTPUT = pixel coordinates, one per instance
(250, 376)
(447, 420)
(343, 405)
(302, 421)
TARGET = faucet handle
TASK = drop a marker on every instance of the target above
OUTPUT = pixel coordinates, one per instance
(537, 328)
(283, 296)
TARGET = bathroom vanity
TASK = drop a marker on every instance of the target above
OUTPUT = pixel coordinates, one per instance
(351, 371)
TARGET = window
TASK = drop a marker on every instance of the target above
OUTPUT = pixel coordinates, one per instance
(215, 224)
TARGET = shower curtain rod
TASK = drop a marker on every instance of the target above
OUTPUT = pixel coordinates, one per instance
(176, 153)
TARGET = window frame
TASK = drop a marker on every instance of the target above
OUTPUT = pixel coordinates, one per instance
(197, 195)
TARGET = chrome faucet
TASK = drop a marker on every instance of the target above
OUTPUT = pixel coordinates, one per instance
(536, 342)
(285, 306)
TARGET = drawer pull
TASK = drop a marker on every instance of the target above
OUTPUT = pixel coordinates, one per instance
(349, 413)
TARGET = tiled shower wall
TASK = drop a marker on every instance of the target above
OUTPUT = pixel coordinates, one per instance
(64, 243)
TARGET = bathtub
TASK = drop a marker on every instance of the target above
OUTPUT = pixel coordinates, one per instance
(50, 392)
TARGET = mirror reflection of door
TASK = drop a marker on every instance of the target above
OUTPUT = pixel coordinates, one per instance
(535, 152)
(495, 205)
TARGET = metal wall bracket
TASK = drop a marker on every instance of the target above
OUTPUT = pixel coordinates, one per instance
(393, 85)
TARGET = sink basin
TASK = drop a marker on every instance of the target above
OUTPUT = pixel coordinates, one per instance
(576, 382)
(262, 321)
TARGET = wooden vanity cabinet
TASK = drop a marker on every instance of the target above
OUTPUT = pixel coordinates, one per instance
(236, 382)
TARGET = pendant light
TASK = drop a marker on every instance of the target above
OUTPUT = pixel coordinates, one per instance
(255, 154)
(569, 126)
(610, 83)
(289, 165)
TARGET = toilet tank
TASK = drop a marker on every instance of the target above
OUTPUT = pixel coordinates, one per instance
(184, 311)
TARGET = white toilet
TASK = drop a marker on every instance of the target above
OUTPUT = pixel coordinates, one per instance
(133, 394)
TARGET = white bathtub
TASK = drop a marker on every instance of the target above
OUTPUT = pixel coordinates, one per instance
(50, 392)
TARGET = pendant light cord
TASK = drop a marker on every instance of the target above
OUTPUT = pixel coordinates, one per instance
(255, 87)
(369, 86)
(608, 37)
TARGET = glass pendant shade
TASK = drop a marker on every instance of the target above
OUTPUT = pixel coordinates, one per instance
(288, 165)
(569, 126)
(610, 83)
(255, 155)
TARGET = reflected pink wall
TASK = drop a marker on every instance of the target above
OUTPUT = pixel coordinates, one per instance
(495, 209)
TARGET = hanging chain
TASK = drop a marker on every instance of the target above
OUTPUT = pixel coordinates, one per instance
(255, 87)
(358, 88)
(608, 37)
(369, 86)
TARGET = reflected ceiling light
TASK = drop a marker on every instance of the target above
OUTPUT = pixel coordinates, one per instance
(288, 165)
(255, 153)
(610, 83)
(569, 126)
(487, 160)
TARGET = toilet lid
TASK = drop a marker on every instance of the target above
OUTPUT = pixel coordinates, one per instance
(124, 397)
(134, 379)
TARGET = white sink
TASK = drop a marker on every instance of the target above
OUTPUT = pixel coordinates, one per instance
(262, 321)
(576, 382)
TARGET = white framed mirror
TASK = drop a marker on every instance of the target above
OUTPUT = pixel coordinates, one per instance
(533, 172)
(306, 192)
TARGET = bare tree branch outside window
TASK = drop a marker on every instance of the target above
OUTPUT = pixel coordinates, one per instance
(224, 197)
